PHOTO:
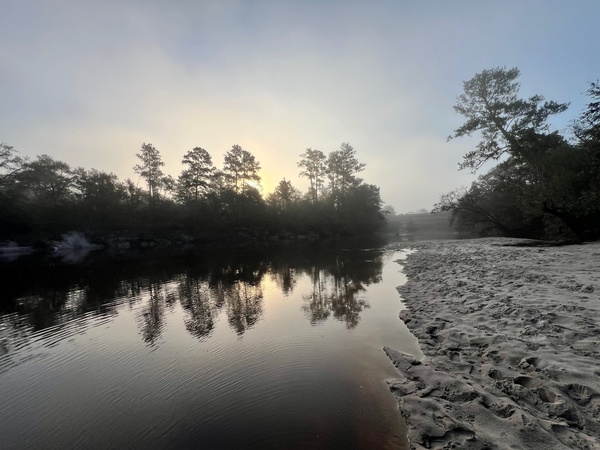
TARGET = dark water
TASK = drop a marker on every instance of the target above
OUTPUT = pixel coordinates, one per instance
(252, 350)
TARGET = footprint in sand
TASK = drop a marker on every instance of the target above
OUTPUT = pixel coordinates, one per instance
(580, 393)
(528, 382)
(493, 355)
(532, 363)
(495, 374)
(547, 396)
(503, 410)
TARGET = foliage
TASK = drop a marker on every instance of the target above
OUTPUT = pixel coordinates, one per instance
(284, 196)
(342, 166)
(47, 181)
(101, 196)
(150, 170)
(10, 164)
(313, 165)
(194, 182)
(545, 186)
(497, 203)
(241, 170)
(491, 106)
(47, 194)
(587, 127)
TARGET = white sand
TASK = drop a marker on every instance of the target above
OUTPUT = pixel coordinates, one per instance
(512, 343)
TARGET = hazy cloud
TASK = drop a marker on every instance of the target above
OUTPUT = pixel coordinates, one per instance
(88, 82)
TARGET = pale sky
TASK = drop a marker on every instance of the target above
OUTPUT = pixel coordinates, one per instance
(88, 82)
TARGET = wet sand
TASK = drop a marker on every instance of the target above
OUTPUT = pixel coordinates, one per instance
(511, 337)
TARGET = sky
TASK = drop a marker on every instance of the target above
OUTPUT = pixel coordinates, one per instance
(88, 82)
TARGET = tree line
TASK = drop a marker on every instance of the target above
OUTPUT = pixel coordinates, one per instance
(546, 183)
(45, 194)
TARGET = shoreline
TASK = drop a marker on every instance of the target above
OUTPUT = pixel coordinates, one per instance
(511, 340)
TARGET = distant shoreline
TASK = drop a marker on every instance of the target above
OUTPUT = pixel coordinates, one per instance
(76, 245)
(510, 336)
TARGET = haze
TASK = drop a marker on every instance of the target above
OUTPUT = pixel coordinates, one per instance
(89, 82)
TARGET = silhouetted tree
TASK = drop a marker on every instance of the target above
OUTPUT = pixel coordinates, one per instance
(543, 179)
(134, 196)
(47, 194)
(242, 179)
(491, 105)
(497, 203)
(587, 126)
(13, 217)
(150, 170)
(194, 181)
(241, 170)
(283, 196)
(101, 196)
(342, 167)
(10, 164)
(313, 165)
(47, 181)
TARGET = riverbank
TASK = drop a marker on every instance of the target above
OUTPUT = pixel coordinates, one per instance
(511, 341)
(124, 241)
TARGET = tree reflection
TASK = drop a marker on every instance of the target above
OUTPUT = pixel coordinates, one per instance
(337, 288)
(345, 303)
(244, 306)
(201, 304)
(318, 305)
(152, 315)
(205, 287)
(284, 277)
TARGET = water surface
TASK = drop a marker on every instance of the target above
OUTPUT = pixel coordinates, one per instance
(251, 350)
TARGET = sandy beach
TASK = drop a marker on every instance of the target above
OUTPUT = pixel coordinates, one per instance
(511, 337)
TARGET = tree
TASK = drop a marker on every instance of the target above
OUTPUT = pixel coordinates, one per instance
(241, 170)
(554, 175)
(134, 195)
(12, 216)
(150, 170)
(587, 127)
(194, 181)
(218, 185)
(100, 193)
(166, 186)
(491, 106)
(314, 168)
(362, 209)
(10, 164)
(47, 180)
(240, 173)
(587, 130)
(342, 167)
(283, 196)
(499, 202)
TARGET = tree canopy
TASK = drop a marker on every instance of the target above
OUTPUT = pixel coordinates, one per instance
(491, 106)
(546, 185)
(150, 170)
(48, 194)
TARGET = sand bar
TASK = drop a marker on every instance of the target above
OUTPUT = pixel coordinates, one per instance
(511, 337)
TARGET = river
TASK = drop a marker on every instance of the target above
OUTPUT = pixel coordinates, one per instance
(271, 349)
